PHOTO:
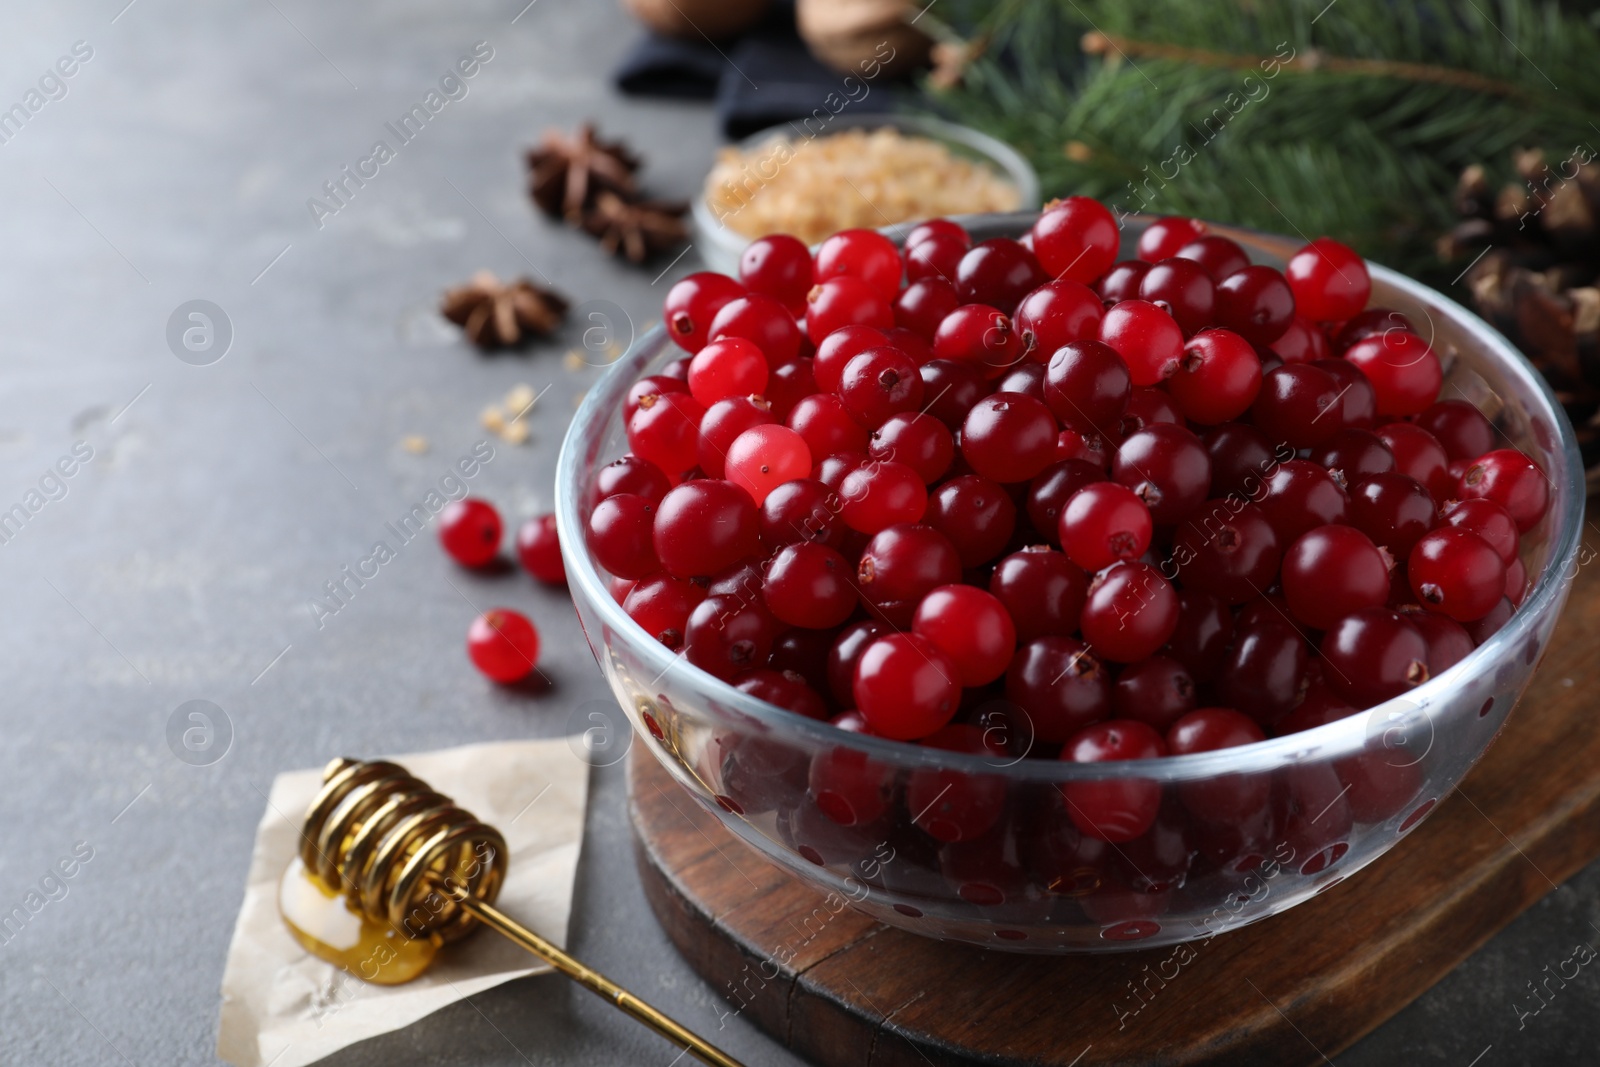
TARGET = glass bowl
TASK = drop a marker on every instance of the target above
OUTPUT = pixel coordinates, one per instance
(1331, 799)
(720, 245)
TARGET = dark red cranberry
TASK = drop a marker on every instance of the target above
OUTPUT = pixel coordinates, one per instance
(662, 604)
(1241, 459)
(924, 304)
(1460, 427)
(1130, 612)
(705, 526)
(839, 348)
(1042, 590)
(975, 514)
(1301, 495)
(1114, 809)
(1298, 403)
(1009, 437)
(998, 272)
(1392, 509)
(952, 388)
(1205, 627)
(1221, 257)
(1167, 466)
(846, 651)
(1185, 289)
(1057, 313)
(1263, 672)
(900, 566)
(1060, 686)
(630, 474)
(728, 635)
(1227, 548)
(1157, 691)
(1049, 492)
(1374, 655)
(1255, 303)
(1087, 387)
(1351, 455)
(1121, 282)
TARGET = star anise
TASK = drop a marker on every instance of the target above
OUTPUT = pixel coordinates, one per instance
(495, 314)
(637, 230)
(565, 173)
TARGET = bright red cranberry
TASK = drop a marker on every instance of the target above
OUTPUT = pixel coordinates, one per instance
(1217, 378)
(1205, 627)
(1061, 687)
(666, 431)
(1298, 403)
(1104, 523)
(503, 645)
(1419, 455)
(1121, 282)
(901, 565)
(850, 787)
(722, 425)
(1076, 239)
(1227, 548)
(1167, 466)
(1165, 236)
(619, 535)
(1264, 673)
(1130, 612)
(1489, 521)
(1403, 369)
(975, 514)
(1301, 495)
(778, 266)
(810, 585)
(1369, 323)
(1055, 314)
(1241, 459)
(539, 550)
(936, 228)
(693, 303)
(651, 388)
(1116, 809)
(1302, 342)
(953, 388)
(881, 493)
(951, 805)
(661, 604)
(1374, 655)
(1156, 691)
(1009, 437)
(1087, 386)
(1148, 339)
(924, 304)
(1185, 289)
(762, 321)
(1227, 796)
(730, 634)
(764, 457)
(469, 530)
(838, 349)
(920, 441)
(1333, 571)
(1042, 590)
(998, 272)
(1457, 573)
(937, 257)
(878, 383)
(1217, 254)
(630, 474)
(1460, 427)
(704, 527)
(905, 687)
(827, 426)
(979, 334)
(1392, 509)
(864, 254)
(1512, 480)
(1049, 492)
(970, 626)
(1329, 280)
(844, 301)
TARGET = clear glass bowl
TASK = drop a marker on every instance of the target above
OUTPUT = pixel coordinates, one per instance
(1339, 795)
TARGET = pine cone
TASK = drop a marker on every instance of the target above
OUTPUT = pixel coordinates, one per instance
(565, 174)
(502, 315)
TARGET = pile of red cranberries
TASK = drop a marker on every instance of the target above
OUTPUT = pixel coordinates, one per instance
(1159, 506)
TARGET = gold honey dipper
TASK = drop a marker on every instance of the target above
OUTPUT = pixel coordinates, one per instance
(415, 872)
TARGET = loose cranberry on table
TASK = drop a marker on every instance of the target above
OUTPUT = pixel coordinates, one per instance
(469, 530)
(503, 645)
(539, 550)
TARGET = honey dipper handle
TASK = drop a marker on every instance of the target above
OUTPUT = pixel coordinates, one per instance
(596, 982)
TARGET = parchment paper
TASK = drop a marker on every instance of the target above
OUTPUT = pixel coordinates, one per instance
(284, 1007)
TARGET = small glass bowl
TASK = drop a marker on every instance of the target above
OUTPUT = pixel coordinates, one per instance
(719, 245)
(1338, 796)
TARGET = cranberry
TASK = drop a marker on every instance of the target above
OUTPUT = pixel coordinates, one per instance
(785, 689)
(1457, 573)
(539, 550)
(692, 304)
(831, 470)
(810, 585)
(704, 527)
(938, 256)
(1167, 466)
(1332, 571)
(921, 442)
(1352, 454)
(850, 787)
(1418, 454)
(951, 805)
(1403, 369)
(924, 304)
(1358, 401)
(1483, 629)
(1489, 521)
(1026, 377)
(661, 604)
(651, 388)
(503, 645)
(975, 514)
(1114, 809)
(762, 321)
(1218, 377)
(1369, 323)
(1329, 280)
(937, 228)
(1156, 691)
(878, 383)
(1218, 255)
(1461, 428)
(788, 384)
(1301, 495)
(1165, 236)
(971, 627)
(1241, 459)
(1512, 480)
(802, 510)
(1448, 642)
(1130, 612)
(1298, 403)
(980, 334)
(1103, 523)
(1184, 289)
(722, 425)
(1147, 338)
(1227, 548)
(1227, 796)
(905, 687)
(1049, 492)
(846, 651)
(901, 565)
(1042, 590)
(1087, 386)
(1147, 406)
(881, 493)
(1302, 342)
(666, 431)
(1374, 655)
(619, 535)
(728, 367)
(1076, 239)
(1256, 303)
(778, 266)
(837, 349)
(1009, 437)
(469, 530)
(863, 254)
(999, 272)
(1121, 282)
(844, 301)
(1263, 673)
(826, 425)
(1055, 314)
(1060, 686)
(729, 634)
(630, 474)
(954, 387)
(1205, 627)
(1392, 509)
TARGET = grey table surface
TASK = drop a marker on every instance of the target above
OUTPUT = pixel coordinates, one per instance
(177, 564)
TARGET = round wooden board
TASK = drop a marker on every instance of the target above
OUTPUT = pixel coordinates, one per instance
(1296, 988)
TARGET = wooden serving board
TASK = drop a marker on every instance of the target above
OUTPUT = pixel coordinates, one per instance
(1296, 988)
